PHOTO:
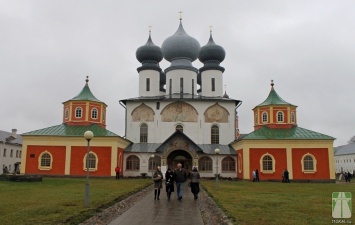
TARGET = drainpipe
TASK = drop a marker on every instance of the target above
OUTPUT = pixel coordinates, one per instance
(125, 131)
(235, 128)
(3, 149)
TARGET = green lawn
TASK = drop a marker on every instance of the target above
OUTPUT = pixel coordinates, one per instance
(60, 200)
(266, 203)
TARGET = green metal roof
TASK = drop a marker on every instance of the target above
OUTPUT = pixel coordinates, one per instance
(66, 130)
(274, 99)
(294, 133)
(86, 94)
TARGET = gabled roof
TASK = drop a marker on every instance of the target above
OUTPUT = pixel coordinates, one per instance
(72, 131)
(176, 135)
(200, 148)
(345, 149)
(85, 94)
(4, 138)
(294, 133)
(274, 98)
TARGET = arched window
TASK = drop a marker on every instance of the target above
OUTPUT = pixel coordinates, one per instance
(228, 164)
(309, 163)
(214, 134)
(292, 117)
(205, 164)
(153, 163)
(45, 160)
(179, 128)
(92, 162)
(264, 115)
(267, 163)
(78, 112)
(132, 163)
(66, 114)
(143, 135)
(280, 116)
(94, 113)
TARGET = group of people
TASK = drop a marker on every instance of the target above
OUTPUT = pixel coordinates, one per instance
(285, 176)
(178, 177)
(347, 176)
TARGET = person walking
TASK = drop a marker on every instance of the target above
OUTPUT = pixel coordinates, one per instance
(287, 179)
(195, 182)
(157, 178)
(257, 175)
(254, 175)
(117, 170)
(283, 176)
(180, 178)
(169, 182)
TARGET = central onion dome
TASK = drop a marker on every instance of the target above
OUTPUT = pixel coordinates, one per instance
(180, 46)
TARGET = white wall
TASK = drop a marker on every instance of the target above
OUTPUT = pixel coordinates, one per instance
(154, 77)
(9, 160)
(206, 79)
(199, 132)
(347, 162)
(175, 76)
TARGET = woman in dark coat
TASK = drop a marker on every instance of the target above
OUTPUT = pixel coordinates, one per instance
(195, 182)
(169, 182)
(157, 178)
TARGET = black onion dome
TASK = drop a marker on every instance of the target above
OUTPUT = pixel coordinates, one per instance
(211, 52)
(149, 52)
(180, 45)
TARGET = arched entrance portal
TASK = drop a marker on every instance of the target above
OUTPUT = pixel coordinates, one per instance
(180, 156)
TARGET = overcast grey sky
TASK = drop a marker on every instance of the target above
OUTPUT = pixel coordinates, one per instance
(307, 47)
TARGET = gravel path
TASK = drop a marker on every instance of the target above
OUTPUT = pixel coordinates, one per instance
(211, 213)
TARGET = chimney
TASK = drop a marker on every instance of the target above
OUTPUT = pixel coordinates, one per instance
(14, 133)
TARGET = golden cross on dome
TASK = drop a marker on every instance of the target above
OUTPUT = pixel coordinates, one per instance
(210, 29)
(150, 29)
(180, 15)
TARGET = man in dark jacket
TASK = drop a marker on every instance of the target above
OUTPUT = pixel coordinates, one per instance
(180, 176)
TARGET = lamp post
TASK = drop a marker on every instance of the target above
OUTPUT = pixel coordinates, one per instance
(152, 156)
(88, 135)
(217, 151)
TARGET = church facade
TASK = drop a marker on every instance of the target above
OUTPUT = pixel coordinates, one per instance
(181, 115)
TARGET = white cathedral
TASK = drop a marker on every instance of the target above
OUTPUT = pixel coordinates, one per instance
(181, 113)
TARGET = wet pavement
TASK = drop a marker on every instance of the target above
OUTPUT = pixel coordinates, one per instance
(158, 212)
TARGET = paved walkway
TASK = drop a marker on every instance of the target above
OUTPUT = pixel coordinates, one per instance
(158, 212)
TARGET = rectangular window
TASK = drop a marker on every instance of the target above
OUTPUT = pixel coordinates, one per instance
(213, 84)
(170, 86)
(148, 84)
(12, 153)
(193, 87)
(181, 85)
(4, 152)
(158, 105)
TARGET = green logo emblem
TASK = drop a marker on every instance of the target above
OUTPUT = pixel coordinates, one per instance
(341, 205)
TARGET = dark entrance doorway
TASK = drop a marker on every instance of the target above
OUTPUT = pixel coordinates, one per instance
(180, 156)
